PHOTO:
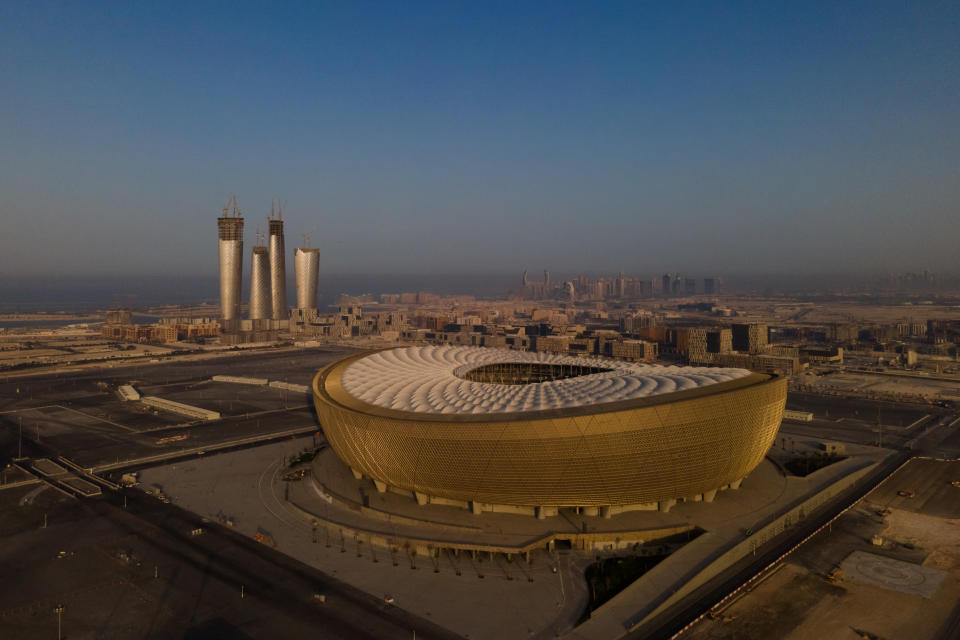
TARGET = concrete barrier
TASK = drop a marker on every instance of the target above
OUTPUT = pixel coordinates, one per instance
(259, 382)
(127, 393)
(178, 407)
(289, 386)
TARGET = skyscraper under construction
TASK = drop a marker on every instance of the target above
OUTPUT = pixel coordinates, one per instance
(230, 227)
(261, 305)
(306, 264)
(278, 274)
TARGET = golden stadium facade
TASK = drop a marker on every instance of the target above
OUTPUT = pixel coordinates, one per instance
(492, 429)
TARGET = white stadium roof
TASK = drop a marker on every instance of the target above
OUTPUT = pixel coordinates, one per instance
(426, 380)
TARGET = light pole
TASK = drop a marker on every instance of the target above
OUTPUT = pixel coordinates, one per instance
(59, 611)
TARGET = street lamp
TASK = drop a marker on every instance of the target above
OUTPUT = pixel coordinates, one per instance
(59, 611)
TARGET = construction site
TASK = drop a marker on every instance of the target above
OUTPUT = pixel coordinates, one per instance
(268, 311)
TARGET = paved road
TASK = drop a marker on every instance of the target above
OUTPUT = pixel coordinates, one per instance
(677, 617)
(85, 427)
(286, 585)
(266, 575)
(951, 628)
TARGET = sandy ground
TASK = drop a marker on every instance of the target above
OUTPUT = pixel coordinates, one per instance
(862, 382)
(798, 602)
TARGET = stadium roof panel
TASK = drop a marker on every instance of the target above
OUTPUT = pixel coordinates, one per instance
(433, 380)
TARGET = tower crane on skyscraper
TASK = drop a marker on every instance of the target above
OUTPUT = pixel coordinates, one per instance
(230, 209)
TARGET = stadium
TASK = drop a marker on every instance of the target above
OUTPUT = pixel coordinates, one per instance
(498, 430)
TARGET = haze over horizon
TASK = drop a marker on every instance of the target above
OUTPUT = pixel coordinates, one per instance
(487, 137)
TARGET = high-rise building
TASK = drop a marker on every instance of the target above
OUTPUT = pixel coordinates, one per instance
(278, 272)
(637, 288)
(306, 266)
(524, 278)
(230, 227)
(665, 288)
(546, 280)
(598, 289)
(621, 285)
(636, 321)
(261, 306)
(711, 286)
(119, 316)
(689, 286)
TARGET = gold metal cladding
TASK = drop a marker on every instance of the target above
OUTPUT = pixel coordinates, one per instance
(645, 450)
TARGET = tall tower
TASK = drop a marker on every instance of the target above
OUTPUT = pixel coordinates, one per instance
(261, 305)
(524, 280)
(546, 279)
(278, 272)
(711, 286)
(230, 227)
(306, 264)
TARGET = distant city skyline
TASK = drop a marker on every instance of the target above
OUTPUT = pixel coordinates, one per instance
(483, 138)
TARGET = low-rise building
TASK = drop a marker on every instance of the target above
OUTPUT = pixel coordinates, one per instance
(630, 350)
(832, 355)
(751, 338)
(779, 365)
(163, 333)
(553, 344)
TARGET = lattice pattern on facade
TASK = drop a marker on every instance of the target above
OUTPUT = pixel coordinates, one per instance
(638, 451)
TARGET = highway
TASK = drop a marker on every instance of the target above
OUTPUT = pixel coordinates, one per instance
(676, 619)
(219, 447)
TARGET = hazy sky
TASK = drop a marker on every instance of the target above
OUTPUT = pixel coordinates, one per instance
(466, 136)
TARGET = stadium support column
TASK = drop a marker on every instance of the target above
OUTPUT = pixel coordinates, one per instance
(546, 512)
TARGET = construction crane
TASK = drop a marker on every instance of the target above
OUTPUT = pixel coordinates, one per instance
(231, 208)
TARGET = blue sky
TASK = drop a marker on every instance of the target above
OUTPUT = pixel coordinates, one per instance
(469, 136)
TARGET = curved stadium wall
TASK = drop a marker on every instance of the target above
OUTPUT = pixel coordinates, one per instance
(646, 450)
